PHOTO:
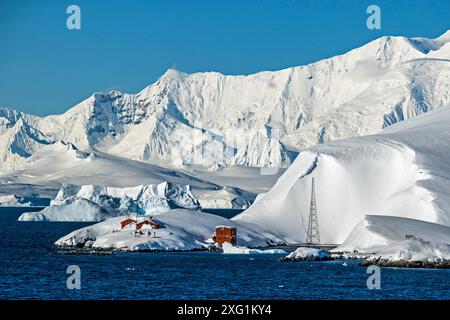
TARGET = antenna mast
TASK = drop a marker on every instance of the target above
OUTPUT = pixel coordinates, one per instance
(313, 234)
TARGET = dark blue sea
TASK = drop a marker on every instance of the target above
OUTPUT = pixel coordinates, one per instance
(31, 268)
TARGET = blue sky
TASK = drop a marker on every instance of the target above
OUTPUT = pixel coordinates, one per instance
(126, 45)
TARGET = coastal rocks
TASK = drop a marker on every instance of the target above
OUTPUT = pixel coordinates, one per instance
(437, 264)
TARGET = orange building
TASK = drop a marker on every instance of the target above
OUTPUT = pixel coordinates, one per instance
(225, 234)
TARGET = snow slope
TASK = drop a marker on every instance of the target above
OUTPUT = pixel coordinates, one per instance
(181, 230)
(394, 238)
(261, 119)
(413, 250)
(375, 233)
(403, 171)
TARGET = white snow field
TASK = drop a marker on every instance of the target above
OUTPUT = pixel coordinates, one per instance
(395, 238)
(181, 230)
(403, 171)
(97, 203)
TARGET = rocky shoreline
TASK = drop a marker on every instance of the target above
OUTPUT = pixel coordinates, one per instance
(366, 260)
(439, 264)
(309, 259)
(83, 250)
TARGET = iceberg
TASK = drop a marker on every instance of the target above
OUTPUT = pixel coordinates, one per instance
(307, 254)
(97, 203)
(230, 249)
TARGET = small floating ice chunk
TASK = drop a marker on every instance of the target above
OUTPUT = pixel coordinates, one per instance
(230, 249)
(304, 253)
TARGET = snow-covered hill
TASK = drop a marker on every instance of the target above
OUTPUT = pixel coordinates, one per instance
(388, 238)
(181, 230)
(374, 233)
(257, 120)
(403, 172)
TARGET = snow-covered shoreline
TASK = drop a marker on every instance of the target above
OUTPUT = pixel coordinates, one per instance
(181, 230)
(397, 242)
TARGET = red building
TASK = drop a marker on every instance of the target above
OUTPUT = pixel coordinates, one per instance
(153, 224)
(225, 234)
(139, 225)
(126, 222)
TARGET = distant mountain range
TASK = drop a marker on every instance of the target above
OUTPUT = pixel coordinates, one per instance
(260, 120)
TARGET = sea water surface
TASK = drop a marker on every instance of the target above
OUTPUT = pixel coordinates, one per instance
(32, 268)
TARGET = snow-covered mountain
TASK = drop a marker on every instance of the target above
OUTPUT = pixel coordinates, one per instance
(260, 120)
(18, 139)
(402, 171)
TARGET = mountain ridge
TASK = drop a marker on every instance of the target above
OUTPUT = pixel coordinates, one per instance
(212, 119)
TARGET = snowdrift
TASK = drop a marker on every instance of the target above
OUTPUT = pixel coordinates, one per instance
(403, 171)
(181, 230)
